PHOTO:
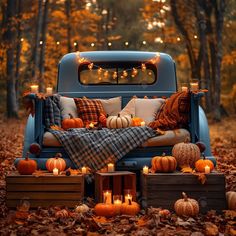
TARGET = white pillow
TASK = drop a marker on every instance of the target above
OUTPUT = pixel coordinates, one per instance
(146, 109)
(111, 106)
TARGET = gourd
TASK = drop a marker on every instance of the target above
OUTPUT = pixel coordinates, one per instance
(103, 120)
(83, 208)
(136, 121)
(104, 209)
(231, 200)
(130, 208)
(186, 206)
(116, 122)
(56, 162)
(202, 163)
(71, 122)
(186, 153)
(35, 148)
(27, 166)
(163, 163)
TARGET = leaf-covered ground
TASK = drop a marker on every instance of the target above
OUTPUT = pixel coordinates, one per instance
(151, 222)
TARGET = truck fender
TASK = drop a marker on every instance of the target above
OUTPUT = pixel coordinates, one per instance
(28, 134)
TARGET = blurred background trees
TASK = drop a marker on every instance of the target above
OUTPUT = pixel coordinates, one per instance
(198, 34)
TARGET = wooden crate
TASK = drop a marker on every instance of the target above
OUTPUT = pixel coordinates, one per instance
(163, 189)
(44, 191)
(116, 181)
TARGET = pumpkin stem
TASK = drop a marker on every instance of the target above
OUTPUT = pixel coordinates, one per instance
(187, 140)
(118, 115)
(130, 203)
(185, 196)
(204, 157)
(58, 155)
(107, 115)
(163, 154)
(132, 116)
(27, 156)
(70, 115)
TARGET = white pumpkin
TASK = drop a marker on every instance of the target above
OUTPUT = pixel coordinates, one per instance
(231, 200)
(116, 122)
(82, 208)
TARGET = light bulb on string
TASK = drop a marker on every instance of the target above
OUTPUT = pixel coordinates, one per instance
(125, 74)
(114, 76)
(99, 70)
(99, 78)
(90, 66)
(143, 67)
(122, 77)
(134, 72)
(106, 74)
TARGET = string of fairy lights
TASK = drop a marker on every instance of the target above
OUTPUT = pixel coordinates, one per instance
(105, 73)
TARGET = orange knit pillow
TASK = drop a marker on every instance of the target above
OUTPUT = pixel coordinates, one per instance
(89, 110)
(174, 113)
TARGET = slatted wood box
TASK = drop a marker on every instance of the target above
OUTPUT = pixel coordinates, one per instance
(116, 181)
(44, 191)
(163, 189)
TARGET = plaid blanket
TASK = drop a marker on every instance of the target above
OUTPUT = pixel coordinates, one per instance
(96, 148)
(52, 112)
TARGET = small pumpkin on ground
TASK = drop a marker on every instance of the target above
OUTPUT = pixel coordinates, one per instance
(186, 206)
(56, 162)
(136, 121)
(83, 208)
(71, 122)
(231, 200)
(116, 122)
(130, 208)
(163, 163)
(186, 153)
(104, 209)
(202, 163)
(27, 166)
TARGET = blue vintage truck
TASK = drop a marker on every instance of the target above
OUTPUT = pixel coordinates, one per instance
(76, 79)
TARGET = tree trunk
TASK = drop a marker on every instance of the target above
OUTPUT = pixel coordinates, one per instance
(219, 16)
(43, 45)
(68, 16)
(18, 46)
(12, 109)
(35, 53)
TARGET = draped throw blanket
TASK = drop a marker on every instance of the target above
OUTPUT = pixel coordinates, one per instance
(96, 148)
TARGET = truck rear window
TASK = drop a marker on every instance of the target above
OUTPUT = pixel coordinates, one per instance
(117, 73)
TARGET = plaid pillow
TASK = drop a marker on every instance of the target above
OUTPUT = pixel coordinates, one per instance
(89, 110)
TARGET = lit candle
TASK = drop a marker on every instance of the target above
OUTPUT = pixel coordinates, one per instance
(34, 88)
(142, 123)
(91, 125)
(184, 89)
(207, 169)
(110, 167)
(127, 198)
(107, 197)
(117, 206)
(84, 170)
(145, 170)
(55, 171)
(49, 90)
(194, 85)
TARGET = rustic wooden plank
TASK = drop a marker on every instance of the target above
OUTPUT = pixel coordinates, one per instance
(183, 179)
(23, 179)
(44, 187)
(188, 187)
(44, 195)
(44, 203)
(115, 173)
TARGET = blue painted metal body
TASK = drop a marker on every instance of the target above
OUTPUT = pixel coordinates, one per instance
(165, 85)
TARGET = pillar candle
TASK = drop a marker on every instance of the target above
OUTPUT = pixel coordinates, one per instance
(145, 170)
(107, 196)
(207, 169)
(110, 167)
(55, 171)
(84, 170)
(34, 88)
(127, 198)
(49, 90)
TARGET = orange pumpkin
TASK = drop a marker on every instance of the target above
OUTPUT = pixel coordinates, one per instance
(164, 163)
(202, 163)
(56, 162)
(130, 208)
(136, 121)
(103, 120)
(27, 166)
(104, 209)
(186, 153)
(71, 122)
(186, 206)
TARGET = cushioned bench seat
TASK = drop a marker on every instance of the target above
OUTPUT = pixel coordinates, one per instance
(169, 138)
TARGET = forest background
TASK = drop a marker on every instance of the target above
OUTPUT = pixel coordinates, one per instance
(199, 35)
